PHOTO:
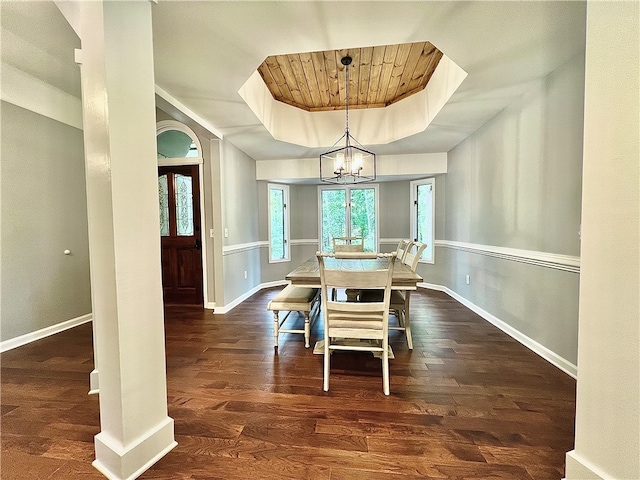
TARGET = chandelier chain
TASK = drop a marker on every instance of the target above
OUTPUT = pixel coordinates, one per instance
(347, 100)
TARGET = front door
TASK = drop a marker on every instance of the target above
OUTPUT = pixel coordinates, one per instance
(179, 192)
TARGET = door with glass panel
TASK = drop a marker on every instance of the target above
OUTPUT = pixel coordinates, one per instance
(349, 212)
(179, 195)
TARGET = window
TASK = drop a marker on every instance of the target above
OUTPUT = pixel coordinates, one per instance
(175, 191)
(176, 144)
(278, 223)
(422, 218)
(348, 212)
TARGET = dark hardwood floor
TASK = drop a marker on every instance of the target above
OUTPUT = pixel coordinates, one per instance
(468, 403)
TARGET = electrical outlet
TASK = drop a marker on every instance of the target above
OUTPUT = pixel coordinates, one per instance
(226, 233)
(468, 279)
(211, 233)
(245, 274)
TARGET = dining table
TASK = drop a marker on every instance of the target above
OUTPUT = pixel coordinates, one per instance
(308, 275)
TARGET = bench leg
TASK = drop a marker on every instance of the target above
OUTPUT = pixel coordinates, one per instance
(276, 327)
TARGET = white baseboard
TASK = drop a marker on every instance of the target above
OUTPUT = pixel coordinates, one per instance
(230, 306)
(115, 461)
(43, 333)
(578, 468)
(550, 356)
(277, 283)
(94, 382)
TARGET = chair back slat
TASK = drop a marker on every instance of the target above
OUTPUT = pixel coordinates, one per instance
(401, 249)
(348, 244)
(413, 254)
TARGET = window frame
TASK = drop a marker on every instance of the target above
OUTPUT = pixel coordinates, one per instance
(414, 215)
(348, 189)
(286, 221)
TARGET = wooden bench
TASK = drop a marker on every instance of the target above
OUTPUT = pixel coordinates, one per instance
(295, 299)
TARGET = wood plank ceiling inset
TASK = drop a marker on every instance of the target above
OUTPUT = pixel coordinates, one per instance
(379, 76)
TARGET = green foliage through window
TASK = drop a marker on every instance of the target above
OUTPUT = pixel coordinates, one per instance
(423, 221)
(355, 217)
(278, 223)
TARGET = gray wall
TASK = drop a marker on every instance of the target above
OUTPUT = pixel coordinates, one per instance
(43, 211)
(240, 217)
(394, 212)
(516, 183)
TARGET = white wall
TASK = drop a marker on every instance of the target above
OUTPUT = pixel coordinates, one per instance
(607, 441)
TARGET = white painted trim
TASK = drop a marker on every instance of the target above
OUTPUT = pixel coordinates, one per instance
(579, 467)
(243, 247)
(44, 332)
(390, 241)
(71, 13)
(557, 261)
(94, 382)
(413, 214)
(287, 221)
(305, 241)
(230, 306)
(178, 162)
(21, 89)
(187, 111)
(550, 356)
(166, 125)
(116, 461)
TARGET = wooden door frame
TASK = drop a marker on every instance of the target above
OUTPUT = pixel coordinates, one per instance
(163, 126)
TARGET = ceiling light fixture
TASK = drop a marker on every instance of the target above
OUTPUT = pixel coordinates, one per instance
(351, 163)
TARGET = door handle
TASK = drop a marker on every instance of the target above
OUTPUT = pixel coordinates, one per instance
(198, 244)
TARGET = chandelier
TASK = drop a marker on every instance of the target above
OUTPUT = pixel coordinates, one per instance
(351, 163)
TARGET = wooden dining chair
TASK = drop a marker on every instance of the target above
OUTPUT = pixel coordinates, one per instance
(348, 244)
(400, 300)
(359, 326)
(401, 249)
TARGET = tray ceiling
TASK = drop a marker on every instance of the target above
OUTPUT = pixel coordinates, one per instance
(378, 76)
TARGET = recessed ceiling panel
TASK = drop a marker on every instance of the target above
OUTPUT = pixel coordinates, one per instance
(379, 76)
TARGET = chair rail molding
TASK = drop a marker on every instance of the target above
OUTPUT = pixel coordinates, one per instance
(243, 247)
(557, 261)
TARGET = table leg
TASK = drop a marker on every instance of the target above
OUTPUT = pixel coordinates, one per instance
(407, 320)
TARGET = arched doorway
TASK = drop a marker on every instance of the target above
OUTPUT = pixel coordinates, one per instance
(180, 163)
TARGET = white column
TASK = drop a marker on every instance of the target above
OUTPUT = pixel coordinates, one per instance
(607, 443)
(124, 236)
